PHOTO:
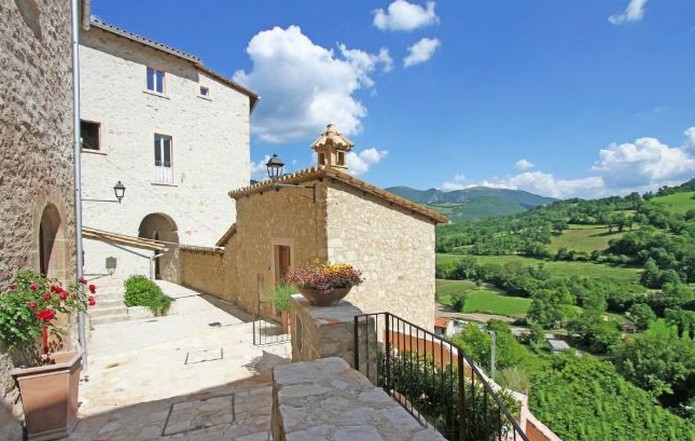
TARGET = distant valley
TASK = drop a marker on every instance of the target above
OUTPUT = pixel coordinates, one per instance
(474, 202)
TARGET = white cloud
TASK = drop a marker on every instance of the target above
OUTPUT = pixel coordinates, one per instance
(305, 86)
(524, 164)
(259, 171)
(645, 162)
(690, 138)
(546, 184)
(404, 16)
(360, 163)
(643, 165)
(421, 51)
(633, 12)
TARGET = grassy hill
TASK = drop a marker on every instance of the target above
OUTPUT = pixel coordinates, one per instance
(585, 238)
(677, 203)
(619, 275)
(474, 202)
(483, 299)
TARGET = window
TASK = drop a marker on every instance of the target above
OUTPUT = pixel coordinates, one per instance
(162, 159)
(89, 135)
(341, 158)
(205, 91)
(322, 159)
(155, 80)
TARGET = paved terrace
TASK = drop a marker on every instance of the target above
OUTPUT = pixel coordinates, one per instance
(191, 375)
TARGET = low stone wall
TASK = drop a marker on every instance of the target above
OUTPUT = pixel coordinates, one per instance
(329, 331)
(537, 431)
(202, 269)
(327, 400)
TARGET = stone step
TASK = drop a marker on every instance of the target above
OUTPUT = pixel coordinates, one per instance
(107, 303)
(107, 311)
(109, 296)
(95, 321)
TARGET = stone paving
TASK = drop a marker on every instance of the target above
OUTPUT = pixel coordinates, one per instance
(191, 375)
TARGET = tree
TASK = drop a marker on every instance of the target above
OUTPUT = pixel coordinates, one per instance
(641, 315)
(458, 301)
(545, 309)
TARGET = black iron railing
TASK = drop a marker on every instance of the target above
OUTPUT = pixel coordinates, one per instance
(433, 380)
(267, 330)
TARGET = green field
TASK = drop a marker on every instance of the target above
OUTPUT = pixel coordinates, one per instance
(620, 275)
(676, 203)
(483, 300)
(585, 238)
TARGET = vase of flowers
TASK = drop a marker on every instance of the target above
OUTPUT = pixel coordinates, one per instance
(324, 284)
(48, 377)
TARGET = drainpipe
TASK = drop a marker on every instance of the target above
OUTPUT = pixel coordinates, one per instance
(78, 174)
(152, 258)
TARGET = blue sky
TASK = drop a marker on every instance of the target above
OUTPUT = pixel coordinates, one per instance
(562, 98)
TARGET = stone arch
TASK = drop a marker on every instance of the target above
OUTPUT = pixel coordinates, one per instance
(161, 226)
(53, 249)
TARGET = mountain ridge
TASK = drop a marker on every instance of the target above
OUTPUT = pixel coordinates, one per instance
(473, 202)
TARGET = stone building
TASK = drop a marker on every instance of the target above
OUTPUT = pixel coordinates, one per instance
(37, 220)
(175, 133)
(326, 214)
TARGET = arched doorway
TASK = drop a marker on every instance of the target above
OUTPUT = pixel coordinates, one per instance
(160, 226)
(52, 249)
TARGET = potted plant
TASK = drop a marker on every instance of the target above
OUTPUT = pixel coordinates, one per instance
(48, 378)
(281, 299)
(324, 284)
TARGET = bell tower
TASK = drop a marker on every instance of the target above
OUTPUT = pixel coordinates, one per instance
(332, 148)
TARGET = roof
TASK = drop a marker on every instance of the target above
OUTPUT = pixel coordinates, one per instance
(332, 137)
(314, 173)
(226, 236)
(441, 322)
(558, 345)
(122, 239)
(197, 62)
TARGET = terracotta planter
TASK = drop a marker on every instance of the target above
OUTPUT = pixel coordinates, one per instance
(49, 396)
(318, 297)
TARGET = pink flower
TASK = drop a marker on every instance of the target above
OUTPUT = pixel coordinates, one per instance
(92, 289)
(34, 286)
(32, 304)
(82, 280)
(91, 301)
(47, 296)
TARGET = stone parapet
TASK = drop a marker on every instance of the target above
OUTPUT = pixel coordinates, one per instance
(329, 331)
(327, 400)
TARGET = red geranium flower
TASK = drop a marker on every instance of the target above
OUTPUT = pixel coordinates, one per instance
(47, 296)
(63, 295)
(46, 315)
(91, 301)
(34, 286)
(92, 289)
(32, 304)
(82, 280)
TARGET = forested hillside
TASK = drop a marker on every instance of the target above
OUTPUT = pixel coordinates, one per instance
(589, 267)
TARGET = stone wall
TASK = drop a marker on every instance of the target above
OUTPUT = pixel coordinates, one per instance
(264, 221)
(36, 145)
(210, 138)
(203, 270)
(393, 247)
(327, 400)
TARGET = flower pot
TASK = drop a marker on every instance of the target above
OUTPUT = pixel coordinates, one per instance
(49, 396)
(328, 297)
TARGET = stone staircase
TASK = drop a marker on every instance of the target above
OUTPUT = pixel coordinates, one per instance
(109, 307)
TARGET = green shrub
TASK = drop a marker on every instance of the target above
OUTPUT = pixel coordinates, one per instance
(281, 297)
(141, 291)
